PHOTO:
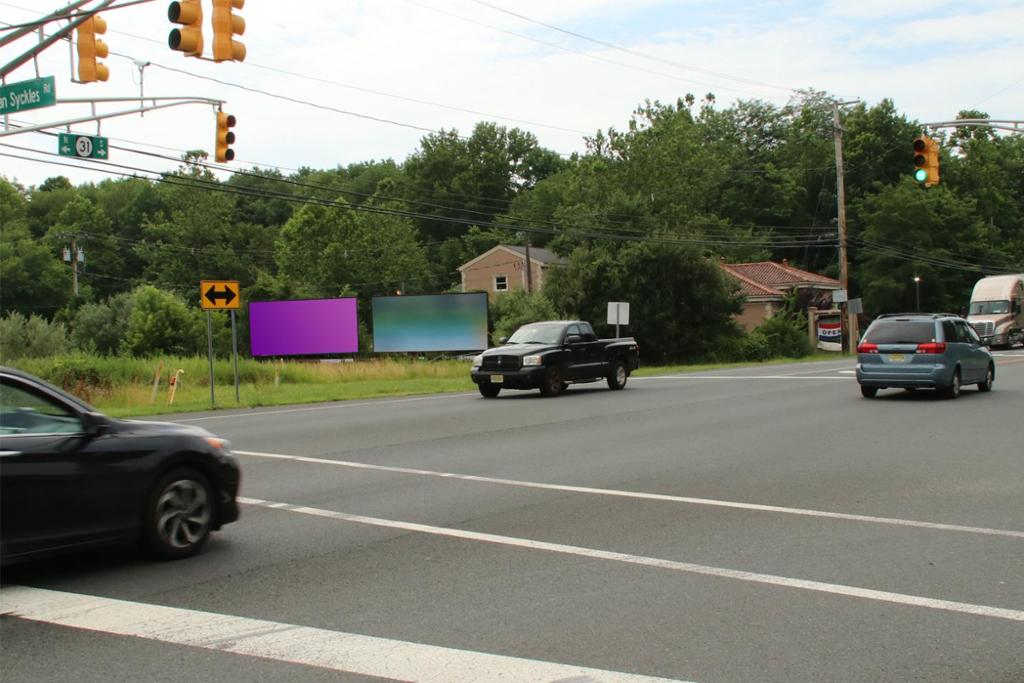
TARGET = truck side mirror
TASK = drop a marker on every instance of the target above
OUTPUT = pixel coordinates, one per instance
(573, 339)
(502, 340)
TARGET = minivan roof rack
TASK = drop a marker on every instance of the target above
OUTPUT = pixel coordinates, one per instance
(920, 315)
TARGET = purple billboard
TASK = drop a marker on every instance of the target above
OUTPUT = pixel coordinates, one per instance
(303, 328)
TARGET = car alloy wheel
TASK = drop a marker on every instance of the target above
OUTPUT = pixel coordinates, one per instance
(180, 514)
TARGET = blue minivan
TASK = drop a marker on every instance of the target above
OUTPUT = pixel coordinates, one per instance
(923, 350)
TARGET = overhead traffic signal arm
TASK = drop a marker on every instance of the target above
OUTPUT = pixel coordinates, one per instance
(188, 38)
(91, 49)
(227, 25)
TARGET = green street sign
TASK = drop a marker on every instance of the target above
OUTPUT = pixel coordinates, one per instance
(84, 146)
(25, 95)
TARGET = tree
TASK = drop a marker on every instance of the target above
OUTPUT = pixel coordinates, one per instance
(681, 304)
(159, 323)
(330, 248)
(32, 278)
(511, 310)
(904, 230)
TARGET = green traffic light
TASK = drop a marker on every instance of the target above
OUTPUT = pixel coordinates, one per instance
(920, 175)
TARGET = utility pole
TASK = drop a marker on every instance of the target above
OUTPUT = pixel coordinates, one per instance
(844, 276)
(72, 257)
(529, 270)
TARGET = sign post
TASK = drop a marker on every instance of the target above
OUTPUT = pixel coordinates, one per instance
(618, 314)
(219, 295)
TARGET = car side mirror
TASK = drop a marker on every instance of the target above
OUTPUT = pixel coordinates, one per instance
(95, 424)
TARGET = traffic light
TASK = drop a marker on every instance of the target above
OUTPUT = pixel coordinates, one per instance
(226, 25)
(225, 138)
(91, 48)
(926, 161)
(189, 38)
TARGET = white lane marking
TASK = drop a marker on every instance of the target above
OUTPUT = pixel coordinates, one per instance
(847, 372)
(333, 406)
(336, 650)
(642, 496)
(738, 377)
(687, 567)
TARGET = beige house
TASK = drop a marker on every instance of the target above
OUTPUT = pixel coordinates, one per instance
(503, 269)
(766, 284)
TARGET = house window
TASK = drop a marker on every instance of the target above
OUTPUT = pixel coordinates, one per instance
(501, 283)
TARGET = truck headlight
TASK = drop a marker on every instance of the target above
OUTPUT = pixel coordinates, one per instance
(531, 360)
(478, 360)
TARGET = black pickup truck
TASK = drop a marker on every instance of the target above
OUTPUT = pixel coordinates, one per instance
(552, 355)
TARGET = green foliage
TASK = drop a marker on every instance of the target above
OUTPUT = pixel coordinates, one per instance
(680, 308)
(784, 338)
(159, 323)
(511, 310)
(101, 328)
(32, 337)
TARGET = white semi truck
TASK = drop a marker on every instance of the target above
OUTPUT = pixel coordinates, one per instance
(997, 310)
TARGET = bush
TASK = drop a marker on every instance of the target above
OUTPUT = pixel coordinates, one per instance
(785, 338)
(159, 323)
(80, 375)
(101, 328)
(511, 310)
(33, 337)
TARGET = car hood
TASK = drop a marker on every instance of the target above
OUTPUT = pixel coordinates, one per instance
(518, 349)
(158, 428)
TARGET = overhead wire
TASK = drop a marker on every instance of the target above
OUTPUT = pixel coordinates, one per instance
(630, 51)
(579, 52)
(598, 234)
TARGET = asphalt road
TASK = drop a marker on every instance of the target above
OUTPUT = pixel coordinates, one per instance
(760, 524)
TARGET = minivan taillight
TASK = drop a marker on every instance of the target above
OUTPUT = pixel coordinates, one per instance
(867, 348)
(932, 347)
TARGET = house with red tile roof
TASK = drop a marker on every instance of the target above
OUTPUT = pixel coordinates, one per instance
(766, 284)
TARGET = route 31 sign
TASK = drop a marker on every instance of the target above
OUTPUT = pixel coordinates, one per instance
(82, 146)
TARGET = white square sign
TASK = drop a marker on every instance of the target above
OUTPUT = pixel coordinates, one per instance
(618, 313)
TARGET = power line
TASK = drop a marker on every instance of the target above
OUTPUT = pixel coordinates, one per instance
(635, 53)
(578, 52)
(590, 233)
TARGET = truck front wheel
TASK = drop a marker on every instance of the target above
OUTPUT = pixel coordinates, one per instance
(552, 384)
(618, 376)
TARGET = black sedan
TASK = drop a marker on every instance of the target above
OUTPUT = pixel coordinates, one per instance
(71, 477)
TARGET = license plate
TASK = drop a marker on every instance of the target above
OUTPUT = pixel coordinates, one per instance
(497, 379)
(897, 357)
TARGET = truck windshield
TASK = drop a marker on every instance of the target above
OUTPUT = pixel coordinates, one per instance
(537, 334)
(989, 307)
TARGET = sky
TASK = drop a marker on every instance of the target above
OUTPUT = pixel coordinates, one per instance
(378, 75)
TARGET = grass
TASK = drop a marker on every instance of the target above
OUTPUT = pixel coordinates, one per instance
(123, 387)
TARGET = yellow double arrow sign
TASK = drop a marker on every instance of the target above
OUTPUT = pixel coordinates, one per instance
(219, 294)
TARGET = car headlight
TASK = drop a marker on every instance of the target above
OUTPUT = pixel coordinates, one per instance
(219, 444)
(478, 360)
(532, 360)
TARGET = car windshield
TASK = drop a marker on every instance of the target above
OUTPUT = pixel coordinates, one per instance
(901, 332)
(537, 334)
(990, 307)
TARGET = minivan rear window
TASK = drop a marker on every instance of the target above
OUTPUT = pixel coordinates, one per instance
(901, 332)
